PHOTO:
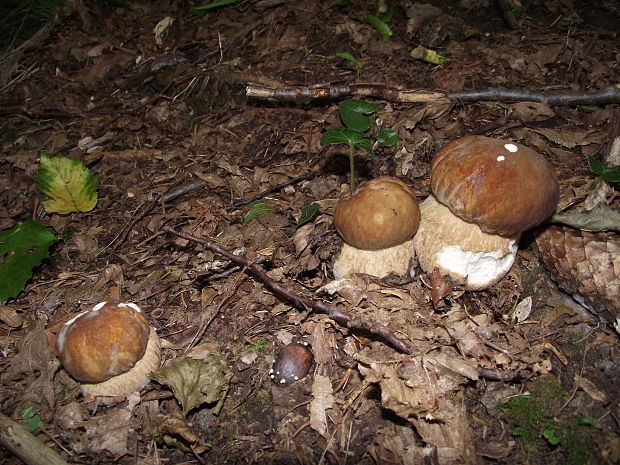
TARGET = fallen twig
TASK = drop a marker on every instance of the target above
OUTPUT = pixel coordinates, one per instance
(260, 195)
(333, 312)
(23, 444)
(393, 94)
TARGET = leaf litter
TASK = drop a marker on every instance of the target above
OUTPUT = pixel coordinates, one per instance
(146, 120)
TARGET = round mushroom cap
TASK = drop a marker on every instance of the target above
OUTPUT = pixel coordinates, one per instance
(381, 213)
(504, 187)
(103, 342)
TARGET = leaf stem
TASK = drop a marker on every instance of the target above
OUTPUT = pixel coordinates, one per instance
(352, 166)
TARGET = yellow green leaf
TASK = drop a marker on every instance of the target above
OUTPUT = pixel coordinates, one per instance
(69, 185)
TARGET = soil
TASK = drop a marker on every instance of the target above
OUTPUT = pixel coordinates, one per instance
(152, 99)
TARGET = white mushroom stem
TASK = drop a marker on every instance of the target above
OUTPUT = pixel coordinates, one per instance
(132, 380)
(379, 263)
(461, 249)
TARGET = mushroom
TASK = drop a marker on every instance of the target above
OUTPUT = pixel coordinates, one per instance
(376, 223)
(485, 193)
(110, 348)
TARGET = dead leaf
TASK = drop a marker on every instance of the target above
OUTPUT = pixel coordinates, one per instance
(323, 399)
(110, 431)
(175, 432)
(590, 388)
(197, 382)
(439, 287)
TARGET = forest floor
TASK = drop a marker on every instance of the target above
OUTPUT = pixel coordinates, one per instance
(152, 99)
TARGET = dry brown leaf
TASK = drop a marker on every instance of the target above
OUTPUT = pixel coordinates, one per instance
(570, 138)
(323, 400)
(110, 431)
(590, 388)
(323, 342)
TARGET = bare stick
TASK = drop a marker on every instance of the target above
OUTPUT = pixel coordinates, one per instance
(333, 312)
(260, 195)
(20, 442)
(326, 91)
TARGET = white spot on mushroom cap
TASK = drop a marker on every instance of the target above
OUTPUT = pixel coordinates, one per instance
(511, 147)
(501, 158)
(479, 269)
(130, 305)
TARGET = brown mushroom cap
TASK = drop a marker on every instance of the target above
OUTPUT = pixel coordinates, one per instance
(381, 213)
(103, 342)
(504, 187)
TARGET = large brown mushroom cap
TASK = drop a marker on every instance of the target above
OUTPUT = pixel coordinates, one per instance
(103, 342)
(504, 187)
(381, 213)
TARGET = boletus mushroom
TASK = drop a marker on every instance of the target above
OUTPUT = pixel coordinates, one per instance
(110, 349)
(485, 193)
(377, 224)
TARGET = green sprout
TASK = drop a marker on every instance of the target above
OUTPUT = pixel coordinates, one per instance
(308, 213)
(352, 59)
(353, 114)
(609, 174)
(256, 209)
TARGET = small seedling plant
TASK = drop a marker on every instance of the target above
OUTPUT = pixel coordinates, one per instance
(355, 133)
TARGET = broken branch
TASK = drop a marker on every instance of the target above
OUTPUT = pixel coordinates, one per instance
(23, 444)
(333, 312)
(393, 94)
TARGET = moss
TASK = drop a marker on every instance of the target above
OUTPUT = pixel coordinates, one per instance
(544, 428)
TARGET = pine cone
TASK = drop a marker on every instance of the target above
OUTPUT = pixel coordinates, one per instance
(585, 264)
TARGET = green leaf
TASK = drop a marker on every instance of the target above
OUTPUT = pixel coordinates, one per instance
(34, 419)
(256, 209)
(22, 248)
(387, 137)
(340, 135)
(352, 59)
(586, 421)
(517, 432)
(352, 112)
(308, 213)
(197, 382)
(201, 10)
(425, 54)
(608, 174)
(258, 346)
(550, 436)
(380, 25)
(69, 185)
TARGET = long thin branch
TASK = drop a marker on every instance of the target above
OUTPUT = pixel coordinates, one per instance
(393, 94)
(333, 312)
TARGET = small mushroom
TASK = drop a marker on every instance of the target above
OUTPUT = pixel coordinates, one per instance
(377, 224)
(292, 364)
(485, 193)
(110, 348)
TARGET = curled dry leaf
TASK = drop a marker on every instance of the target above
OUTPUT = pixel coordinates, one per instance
(173, 430)
(323, 399)
(197, 382)
(440, 288)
